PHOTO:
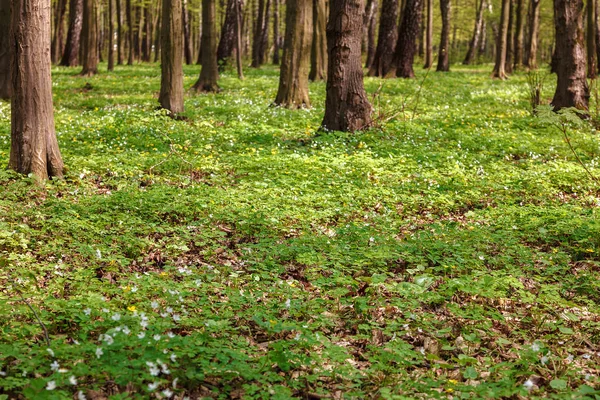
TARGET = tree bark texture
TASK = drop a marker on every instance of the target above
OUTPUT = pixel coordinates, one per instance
(347, 107)
(519, 31)
(443, 56)
(5, 83)
(371, 32)
(171, 84)
(510, 39)
(89, 38)
(119, 33)
(57, 38)
(534, 29)
(70, 56)
(227, 42)
(187, 49)
(477, 33)
(111, 36)
(261, 31)
(500, 65)
(209, 74)
(597, 22)
(407, 39)
(130, 31)
(34, 147)
(592, 71)
(295, 63)
(386, 42)
(318, 54)
(429, 35)
(276, 7)
(571, 89)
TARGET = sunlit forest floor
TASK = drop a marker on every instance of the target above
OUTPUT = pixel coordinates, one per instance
(452, 251)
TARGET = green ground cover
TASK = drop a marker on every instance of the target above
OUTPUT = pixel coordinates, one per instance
(450, 252)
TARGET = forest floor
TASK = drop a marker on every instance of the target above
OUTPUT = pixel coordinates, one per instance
(453, 251)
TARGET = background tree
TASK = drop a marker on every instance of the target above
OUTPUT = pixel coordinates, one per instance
(386, 42)
(70, 56)
(119, 33)
(228, 34)
(519, 32)
(89, 38)
(371, 29)
(591, 39)
(443, 56)
(209, 74)
(130, 31)
(57, 37)
(111, 39)
(293, 77)
(534, 29)
(501, 42)
(407, 38)
(429, 35)
(261, 30)
(34, 148)
(478, 32)
(5, 84)
(171, 84)
(318, 54)
(571, 89)
(276, 7)
(347, 107)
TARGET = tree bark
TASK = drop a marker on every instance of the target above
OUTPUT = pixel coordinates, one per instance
(571, 89)
(597, 22)
(209, 74)
(443, 56)
(34, 147)
(318, 54)
(130, 31)
(592, 71)
(57, 39)
(119, 34)
(293, 78)
(371, 31)
(70, 56)
(228, 36)
(534, 29)
(171, 84)
(186, 34)
(407, 37)
(520, 27)
(238, 39)
(477, 32)
(5, 82)
(89, 38)
(347, 107)
(111, 37)
(260, 34)
(276, 31)
(429, 35)
(386, 42)
(508, 66)
(500, 66)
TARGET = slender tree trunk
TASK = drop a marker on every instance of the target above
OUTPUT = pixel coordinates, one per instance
(186, 33)
(571, 89)
(130, 31)
(407, 37)
(70, 56)
(147, 36)
(89, 38)
(477, 32)
(347, 107)
(111, 37)
(158, 36)
(228, 35)
(429, 35)
(534, 29)
(597, 22)
(238, 41)
(5, 83)
(257, 44)
(119, 34)
(293, 79)
(207, 82)
(276, 31)
(443, 57)
(386, 42)
(171, 84)
(57, 39)
(371, 31)
(518, 44)
(510, 39)
(318, 54)
(500, 66)
(591, 39)
(34, 147)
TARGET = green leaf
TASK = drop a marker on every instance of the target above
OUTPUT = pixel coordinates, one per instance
(470, 373)
(558, 384)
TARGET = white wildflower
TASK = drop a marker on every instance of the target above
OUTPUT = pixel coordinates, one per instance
(87, 311)
(99, 352)
(288, 303)
(170, 334)
(154, 304)
(154, 370)
(81, 396)
(116, 317)
(54, 366)
(126, 330)
(167, 393)
(144, 323)
(134, 289)
(176, 317)
(141, 335)
(175, 383)
(173, 357)
(73, 380)
(98, 254)
(535, 347)
(50, 351)
(528, 384)
(156, 337)
(51, 385)
(152, 386)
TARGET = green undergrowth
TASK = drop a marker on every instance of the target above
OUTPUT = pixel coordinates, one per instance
(452, 251)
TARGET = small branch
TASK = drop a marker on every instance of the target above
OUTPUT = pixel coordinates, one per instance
(563, 128)
(36, 316)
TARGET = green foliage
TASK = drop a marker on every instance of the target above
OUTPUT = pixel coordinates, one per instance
(237, 254)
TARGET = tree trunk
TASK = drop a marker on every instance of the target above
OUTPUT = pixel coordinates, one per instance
(386, 42)
(508, 66)
(209, 74)
(111, 37)
(518, 44)
(597, 22)
(147, 36)
(371, 31)
(534, 29)
(57, 39)
(260, 32)
(276, 32)
(571, 89)
(429, 35)
(70, 56)
(5, 83)
(293, 78)
(119, 34)
(407, 37)
(238, 39)
(500, 66)
(130, 31)
(186, 34)
(443, 57)
(89, 38)
(228, 36)
(318, 54)
(34, 148)
(591, 40)
(171, 84)
(477, 32)
(347, 107)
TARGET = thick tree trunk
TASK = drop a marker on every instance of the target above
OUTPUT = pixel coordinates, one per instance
(534, 29)
(276, 32)
(510, 40)
(57, 38)
(187, 49)
(477, 33)
(293, 78)
(407, 37)
(130, 32)
(89, 38)
(592, 71)
(34, 148)
(429, 35)
(443, 56)
(111, 37)
(520, 27)
(207, 82)
(386, 42)
(171, 84)
(500, 66)
(70, 56)
(347, 107)
(5, 83)
(571, 89)
(228, 37)
(318, 54)
(371, 32)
